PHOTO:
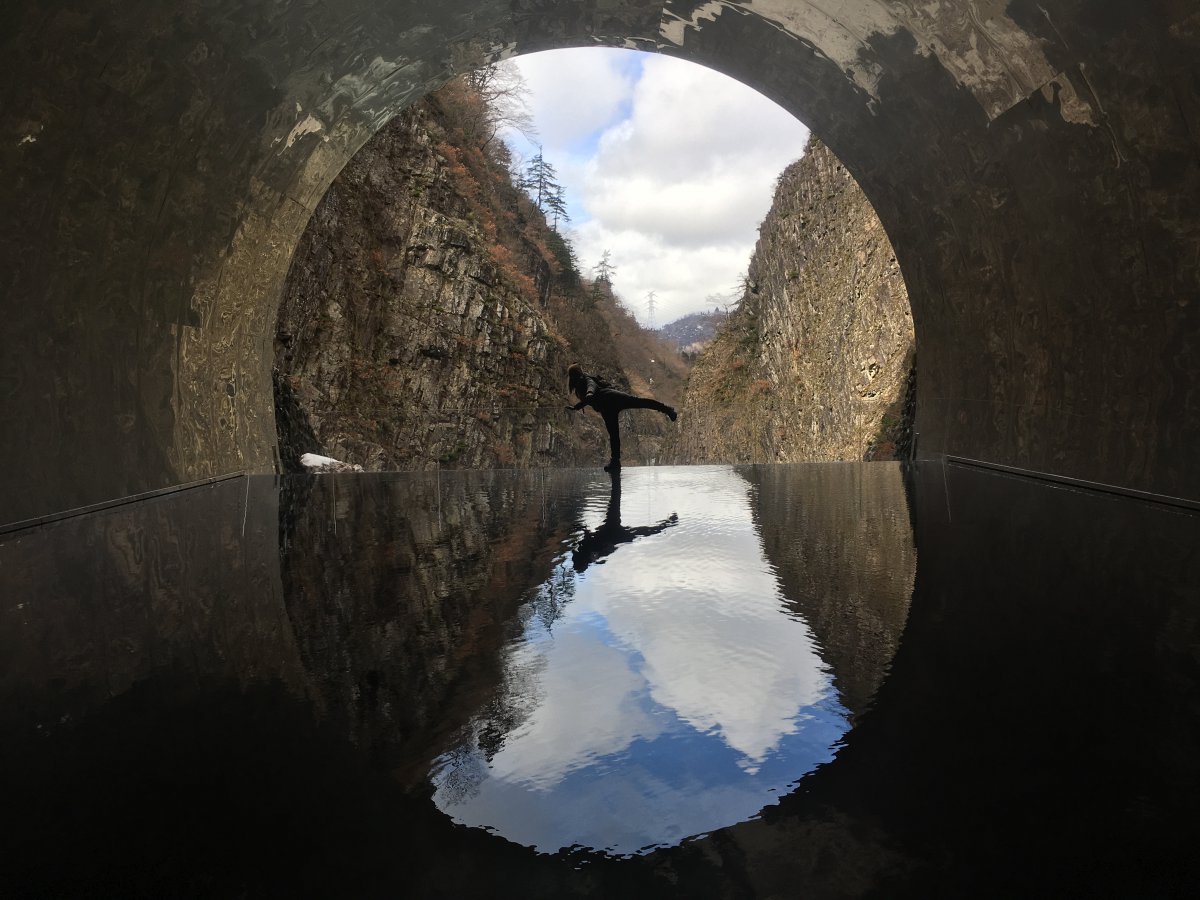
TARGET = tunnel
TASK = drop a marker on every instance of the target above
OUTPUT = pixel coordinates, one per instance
(1034, 163)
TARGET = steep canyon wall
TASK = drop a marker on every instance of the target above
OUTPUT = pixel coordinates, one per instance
(425, 323)
(817, 363)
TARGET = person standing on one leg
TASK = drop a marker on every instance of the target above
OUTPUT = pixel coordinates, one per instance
(608, 401)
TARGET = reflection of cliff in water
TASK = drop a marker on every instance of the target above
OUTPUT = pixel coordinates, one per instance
(372, 597)
(1037, 735)
(400, 592)
(840, 540)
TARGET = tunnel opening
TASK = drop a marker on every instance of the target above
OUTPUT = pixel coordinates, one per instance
(1036, 182)
(1036, 166)
(450, 274)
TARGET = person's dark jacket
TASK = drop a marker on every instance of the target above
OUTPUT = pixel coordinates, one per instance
(588, 388)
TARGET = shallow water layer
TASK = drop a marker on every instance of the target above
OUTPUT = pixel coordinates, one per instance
(663, 683)
(833, 680)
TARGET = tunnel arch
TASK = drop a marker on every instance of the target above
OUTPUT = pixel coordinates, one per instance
(1035, 166)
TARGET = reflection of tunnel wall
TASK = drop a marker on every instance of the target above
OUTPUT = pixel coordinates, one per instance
(1034, 164)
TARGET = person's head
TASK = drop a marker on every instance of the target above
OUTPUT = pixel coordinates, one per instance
(575, 380)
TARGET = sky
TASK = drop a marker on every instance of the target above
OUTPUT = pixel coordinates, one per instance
(668, 165)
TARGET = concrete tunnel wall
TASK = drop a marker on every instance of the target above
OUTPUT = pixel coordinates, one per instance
(1035, 164)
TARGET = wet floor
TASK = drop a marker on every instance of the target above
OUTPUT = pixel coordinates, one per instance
(824, 680)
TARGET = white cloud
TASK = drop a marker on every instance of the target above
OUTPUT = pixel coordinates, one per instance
(688, 214)
(669, 165)
(681, 275)
(575, 94)
(685, 113)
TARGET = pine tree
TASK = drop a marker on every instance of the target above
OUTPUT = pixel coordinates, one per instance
(556, 207)
(564, 252)
(605, 269)
(602, 283)
(540, 181)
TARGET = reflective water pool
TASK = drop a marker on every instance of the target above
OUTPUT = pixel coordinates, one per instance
(663, 683)
(827, 680)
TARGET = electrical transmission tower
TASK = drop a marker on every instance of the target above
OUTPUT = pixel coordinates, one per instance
(650, 305)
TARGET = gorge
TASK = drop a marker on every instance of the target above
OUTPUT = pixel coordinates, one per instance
(426, 321)
(817, 363)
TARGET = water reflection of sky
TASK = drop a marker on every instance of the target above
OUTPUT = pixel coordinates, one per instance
(659, 694)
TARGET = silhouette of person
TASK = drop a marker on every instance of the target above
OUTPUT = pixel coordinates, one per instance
(599, 544)
(608, 401)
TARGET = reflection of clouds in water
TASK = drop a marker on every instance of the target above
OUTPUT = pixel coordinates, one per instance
(750, 698)
(590, 708)
(622, 814)
(670, 680)
(702, 609)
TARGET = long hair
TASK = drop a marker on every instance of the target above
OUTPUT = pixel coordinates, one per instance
(576, 380)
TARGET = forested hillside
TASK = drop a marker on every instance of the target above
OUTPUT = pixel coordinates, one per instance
(432, 309)
(695, 331)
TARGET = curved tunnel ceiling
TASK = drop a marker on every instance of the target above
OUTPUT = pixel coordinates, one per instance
(1035, 164)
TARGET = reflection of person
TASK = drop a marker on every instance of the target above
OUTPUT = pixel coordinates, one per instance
(608, 401)
(599, 544)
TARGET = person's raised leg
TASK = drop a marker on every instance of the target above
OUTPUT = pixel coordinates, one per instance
(631, 402)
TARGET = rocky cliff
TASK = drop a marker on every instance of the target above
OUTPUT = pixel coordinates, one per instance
(818, 361)
(426, 321)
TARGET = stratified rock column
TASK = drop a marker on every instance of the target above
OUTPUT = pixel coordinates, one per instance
(815, 364)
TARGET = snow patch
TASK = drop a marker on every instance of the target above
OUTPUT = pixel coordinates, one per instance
(318, 464)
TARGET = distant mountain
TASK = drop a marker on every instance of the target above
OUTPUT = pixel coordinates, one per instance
(693, 332)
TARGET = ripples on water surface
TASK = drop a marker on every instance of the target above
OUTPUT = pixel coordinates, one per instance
(423, 686)
(662, 684)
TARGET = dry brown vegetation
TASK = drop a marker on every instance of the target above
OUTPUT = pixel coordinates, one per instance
(431, 321)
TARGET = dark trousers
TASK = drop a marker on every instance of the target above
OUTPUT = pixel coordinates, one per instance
(609, 404)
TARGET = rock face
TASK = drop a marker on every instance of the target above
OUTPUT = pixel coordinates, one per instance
(817, 363)
(400, 344)
(422, 323)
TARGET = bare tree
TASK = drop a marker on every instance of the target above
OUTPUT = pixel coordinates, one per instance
(500, 91)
